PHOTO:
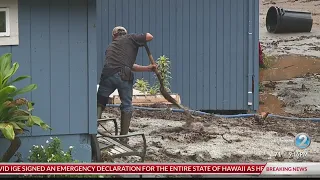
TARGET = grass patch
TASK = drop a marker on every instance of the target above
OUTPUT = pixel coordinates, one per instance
(267, 61)
(261, 87)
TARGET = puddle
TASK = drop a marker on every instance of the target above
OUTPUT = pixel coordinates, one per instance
(288, 67)
(270, 103)
(291, 85)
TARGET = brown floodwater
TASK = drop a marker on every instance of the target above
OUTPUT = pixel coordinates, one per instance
(288, 67)
(284, 68)
(270, 103)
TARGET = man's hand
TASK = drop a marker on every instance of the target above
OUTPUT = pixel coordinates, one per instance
(153, 67)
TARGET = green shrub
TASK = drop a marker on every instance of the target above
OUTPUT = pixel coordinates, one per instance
(164, 66)
(153, 90)
(142, 85)
(51, 152)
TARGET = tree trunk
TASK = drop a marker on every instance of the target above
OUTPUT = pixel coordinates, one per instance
(13, 148)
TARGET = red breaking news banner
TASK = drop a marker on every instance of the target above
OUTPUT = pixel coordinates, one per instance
(62, 168)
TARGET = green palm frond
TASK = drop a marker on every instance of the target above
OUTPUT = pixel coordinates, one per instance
(15, 113)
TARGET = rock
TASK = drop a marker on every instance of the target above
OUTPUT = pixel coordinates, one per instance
(132, 159)
(315, 158)
(303, 87)
(316, 139)
(157, 144)
(197, 126)
(172, 152)
(291, 82)
(271, 85)
(187, 153)
(153, 149)
(217, 130)
(294, 95)
(202, 156)
(133, 129)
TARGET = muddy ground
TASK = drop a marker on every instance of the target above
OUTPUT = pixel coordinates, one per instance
(291, 83)
(290, 86)
(219, 140)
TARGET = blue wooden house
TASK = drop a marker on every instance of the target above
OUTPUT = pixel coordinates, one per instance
(212, 45)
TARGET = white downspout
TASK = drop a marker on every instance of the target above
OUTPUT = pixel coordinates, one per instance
(250, 56)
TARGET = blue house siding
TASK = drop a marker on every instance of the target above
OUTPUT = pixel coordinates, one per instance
(58, 49)
(54, 50)
(212, 44)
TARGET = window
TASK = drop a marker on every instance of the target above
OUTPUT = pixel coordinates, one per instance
(4, 22)
(9, 32)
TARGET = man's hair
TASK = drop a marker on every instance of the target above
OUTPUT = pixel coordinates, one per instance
(118, 31)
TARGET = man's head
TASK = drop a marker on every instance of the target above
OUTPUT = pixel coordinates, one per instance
(118, 31)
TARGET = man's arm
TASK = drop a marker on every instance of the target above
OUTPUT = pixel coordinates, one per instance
(138, 68)
(149, 37)
(142, 39)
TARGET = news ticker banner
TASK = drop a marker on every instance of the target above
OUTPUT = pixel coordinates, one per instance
(112, 169)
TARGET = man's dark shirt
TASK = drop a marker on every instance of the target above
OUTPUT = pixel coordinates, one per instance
(122, 52)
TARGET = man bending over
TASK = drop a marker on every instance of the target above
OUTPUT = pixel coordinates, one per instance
(117, 72)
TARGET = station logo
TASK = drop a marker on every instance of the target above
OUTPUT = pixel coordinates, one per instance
(302, 140)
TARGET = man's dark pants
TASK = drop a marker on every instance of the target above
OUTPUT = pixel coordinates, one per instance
(107, 86)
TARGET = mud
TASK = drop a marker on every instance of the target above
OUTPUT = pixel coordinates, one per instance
(217, 140)
(301, 95)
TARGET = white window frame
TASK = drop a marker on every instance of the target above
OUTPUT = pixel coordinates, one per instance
(11, 36)
(7, 33)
